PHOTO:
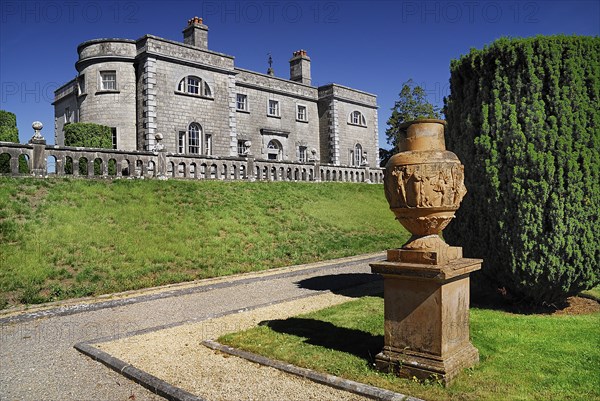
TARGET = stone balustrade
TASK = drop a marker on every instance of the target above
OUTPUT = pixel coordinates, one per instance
(50, 160)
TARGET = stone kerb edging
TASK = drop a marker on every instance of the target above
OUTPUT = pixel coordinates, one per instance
(328, 380)
(144, 379)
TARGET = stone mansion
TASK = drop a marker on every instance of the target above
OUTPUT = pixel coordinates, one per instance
(203, 105)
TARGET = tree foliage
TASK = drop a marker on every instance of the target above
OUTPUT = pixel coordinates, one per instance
(411, 105)
(524, 118)
(10, 133)
(8, 127)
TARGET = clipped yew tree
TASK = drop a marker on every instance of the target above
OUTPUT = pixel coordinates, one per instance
(87, 135)
(524, 118)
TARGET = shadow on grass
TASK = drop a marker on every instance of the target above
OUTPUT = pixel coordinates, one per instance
(354, 285)
(316, 332)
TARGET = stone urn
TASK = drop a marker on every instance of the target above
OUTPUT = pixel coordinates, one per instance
(426, 282)
(424, 183)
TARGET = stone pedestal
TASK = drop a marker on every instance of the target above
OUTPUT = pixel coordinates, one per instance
(426, 316)
(38, 162)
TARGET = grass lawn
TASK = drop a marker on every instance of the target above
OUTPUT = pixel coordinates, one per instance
(63, 238)
(523, 357)
(594, 293)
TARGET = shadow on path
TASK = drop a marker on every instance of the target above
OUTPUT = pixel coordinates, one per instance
(316, 332)
(349, 284)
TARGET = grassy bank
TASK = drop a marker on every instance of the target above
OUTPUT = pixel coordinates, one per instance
(71, 238)
(523, 357)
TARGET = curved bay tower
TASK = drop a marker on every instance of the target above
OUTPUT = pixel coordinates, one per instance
(202, 104)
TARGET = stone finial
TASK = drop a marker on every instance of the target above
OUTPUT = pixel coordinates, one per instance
(37, 127)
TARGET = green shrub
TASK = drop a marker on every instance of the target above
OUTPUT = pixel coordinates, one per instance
(88, 135)
(523, 116)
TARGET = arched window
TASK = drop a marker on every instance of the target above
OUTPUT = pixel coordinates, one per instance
(274, 150)
(357, 155)
(195, 86)
(357, 118)
(194, 141)
(194, 133)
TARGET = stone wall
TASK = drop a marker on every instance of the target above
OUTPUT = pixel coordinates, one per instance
(176, 110)
(256, 125)
(339, 135)
(89, 102)
(66, 109)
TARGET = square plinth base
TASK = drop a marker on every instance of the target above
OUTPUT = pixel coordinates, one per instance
(426, 367)
(426, 310)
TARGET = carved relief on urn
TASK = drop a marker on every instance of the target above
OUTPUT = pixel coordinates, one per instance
(424, 183)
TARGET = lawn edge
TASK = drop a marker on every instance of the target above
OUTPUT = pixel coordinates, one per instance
(326, 379)
(79, 305)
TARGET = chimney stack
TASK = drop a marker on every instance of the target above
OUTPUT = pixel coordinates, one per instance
(196, 33)
(300, 67)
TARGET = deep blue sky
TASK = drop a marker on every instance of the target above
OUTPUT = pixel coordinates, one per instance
(374, 46)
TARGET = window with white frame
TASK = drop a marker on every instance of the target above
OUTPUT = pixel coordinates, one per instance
(181, 142)
(358, 154)
(195, 86)
(81, 84)
(273, 109)
(67, 115)
(208, 144)
(301, 113)
(357, 118)
(302, 154)
(274, 150)
(242, 147)
(108, 80)
(242, 102)
(113, 133)
(194, 133)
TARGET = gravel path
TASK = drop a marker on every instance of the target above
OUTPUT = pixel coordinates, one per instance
(177, 356)
(38, 361)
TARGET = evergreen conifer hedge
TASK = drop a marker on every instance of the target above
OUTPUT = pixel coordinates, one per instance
(88, 135)
(524, 118)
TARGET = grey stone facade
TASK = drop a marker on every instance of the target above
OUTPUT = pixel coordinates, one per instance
(203, 105)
